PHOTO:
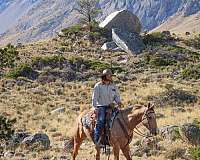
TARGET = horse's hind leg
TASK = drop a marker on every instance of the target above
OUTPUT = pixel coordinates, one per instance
(126, 152)
(97, 153)
(76, 148)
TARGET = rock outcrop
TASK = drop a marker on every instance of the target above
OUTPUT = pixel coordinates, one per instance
(124, 29)
(124, 19)
(127, 41)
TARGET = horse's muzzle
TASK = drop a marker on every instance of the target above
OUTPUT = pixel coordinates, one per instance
(154, 131)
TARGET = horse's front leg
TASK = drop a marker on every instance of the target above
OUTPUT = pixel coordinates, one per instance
(97, 153)
(116, 152)
(78, 139)
(126, 152)
(76, 148)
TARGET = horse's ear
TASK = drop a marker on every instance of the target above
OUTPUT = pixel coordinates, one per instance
(150, 106)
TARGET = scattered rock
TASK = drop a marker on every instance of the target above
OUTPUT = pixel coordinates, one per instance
(17, 138)
(19, 154)
(38, 137)
(39, 91)
(8, 84)
(127, 41)
(178, 109)
(122, 59)
(147, 147)
(56, 135)
(190, 133)
(53, 130)
(61, 34)
(160, 115)
(64, 75)
(64, 158)
(123, 19)
(58, 110)
(176, 153)
(9, 154)
(170, 132)
(110, 46)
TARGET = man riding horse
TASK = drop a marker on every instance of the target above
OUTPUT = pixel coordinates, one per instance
(122, 127)
(104, 95)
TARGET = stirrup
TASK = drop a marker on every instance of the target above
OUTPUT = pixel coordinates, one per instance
(98, 144)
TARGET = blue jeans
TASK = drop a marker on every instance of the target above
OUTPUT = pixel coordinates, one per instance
(101, 117)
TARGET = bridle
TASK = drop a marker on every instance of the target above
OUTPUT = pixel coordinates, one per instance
(144, 117)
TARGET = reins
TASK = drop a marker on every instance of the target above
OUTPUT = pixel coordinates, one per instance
(136, 130)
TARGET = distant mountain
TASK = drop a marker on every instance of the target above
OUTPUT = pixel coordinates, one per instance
(31, 20)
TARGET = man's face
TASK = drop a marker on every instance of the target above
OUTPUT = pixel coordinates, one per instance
(109, 77)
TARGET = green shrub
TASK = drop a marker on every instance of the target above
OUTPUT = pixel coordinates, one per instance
(158, 61)
(74, 60)
(194, 42)
(22, 70)
(196, 122)
(195, 153)
(194, 56)
(98, 65)
(191, 72)
(175, 153)
(174, 97)
(156, 38)
(8, 56)
(6, 127)
(99, 32)
(48, 60)
(177, 134)
(95, 33)
(72, 30)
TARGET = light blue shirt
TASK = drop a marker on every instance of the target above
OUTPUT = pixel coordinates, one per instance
(105, 94)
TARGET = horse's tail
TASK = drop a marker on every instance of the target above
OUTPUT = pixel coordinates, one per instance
(69, 145)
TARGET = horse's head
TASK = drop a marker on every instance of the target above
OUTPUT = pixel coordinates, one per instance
(149, 119)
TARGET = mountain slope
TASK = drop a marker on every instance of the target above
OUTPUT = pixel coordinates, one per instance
(31, 20)
(180, 24)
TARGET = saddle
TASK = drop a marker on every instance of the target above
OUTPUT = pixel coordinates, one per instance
(89, 122)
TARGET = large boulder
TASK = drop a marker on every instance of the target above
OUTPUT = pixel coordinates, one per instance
(37, 138)
(127, 41)
(190, 133)
(125, 20)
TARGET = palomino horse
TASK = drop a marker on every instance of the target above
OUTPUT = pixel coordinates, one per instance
(121, 131)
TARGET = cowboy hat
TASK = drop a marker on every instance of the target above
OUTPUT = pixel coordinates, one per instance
(107, 72)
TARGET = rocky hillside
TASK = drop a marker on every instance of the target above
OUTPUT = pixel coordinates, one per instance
(30, 20)
(51, 83)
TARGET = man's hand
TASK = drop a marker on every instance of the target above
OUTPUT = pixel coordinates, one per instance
(120, 105)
